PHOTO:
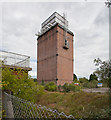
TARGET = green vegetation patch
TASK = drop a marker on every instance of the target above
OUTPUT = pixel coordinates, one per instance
(79, 104)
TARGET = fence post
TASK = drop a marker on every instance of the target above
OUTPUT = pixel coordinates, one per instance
(8, 105)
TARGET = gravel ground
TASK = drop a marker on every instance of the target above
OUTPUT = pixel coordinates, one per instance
(102, 90)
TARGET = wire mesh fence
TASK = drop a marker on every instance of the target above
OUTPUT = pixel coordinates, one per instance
(18, 108)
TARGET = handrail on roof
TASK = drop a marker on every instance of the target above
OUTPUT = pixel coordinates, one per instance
(15, 53)
(52, 15)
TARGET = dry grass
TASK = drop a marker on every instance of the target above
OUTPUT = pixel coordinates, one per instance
(79, 104)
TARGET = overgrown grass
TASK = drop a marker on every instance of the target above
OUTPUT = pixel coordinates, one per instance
(79, 104)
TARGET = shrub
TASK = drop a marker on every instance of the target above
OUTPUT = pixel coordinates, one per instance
(91, 84)
(85, 85)
(74, 87)
(77, 88)
(83, 80)
(50, 86)
(66, 87)
(70, 87)
(59, 87)
(21, 84)
(43, 83)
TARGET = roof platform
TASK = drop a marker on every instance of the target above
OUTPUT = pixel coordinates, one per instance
(14, 60)
(52, 21)
(16, 67)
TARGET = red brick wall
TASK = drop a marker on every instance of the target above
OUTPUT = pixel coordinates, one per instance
(50, 66)
(46, 66)
(65, 58)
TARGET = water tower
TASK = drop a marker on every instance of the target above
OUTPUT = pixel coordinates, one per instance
(55, 51)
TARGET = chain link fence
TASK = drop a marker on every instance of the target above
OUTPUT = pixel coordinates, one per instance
(18, 108)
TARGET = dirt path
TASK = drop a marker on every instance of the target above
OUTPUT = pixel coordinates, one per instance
(102, 90)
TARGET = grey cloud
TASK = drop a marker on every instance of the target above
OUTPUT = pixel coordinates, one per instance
(22, 20)
(102, 18)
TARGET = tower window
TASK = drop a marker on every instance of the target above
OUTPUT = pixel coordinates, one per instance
(66, 44)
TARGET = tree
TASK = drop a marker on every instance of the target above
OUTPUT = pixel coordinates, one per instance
(108, 3)
(35, 79)
(104, 70)
(74, 77)
(92, 77)
(21, 84)
(83, 80)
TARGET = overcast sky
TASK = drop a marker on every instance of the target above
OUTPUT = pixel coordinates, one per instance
(89, 21)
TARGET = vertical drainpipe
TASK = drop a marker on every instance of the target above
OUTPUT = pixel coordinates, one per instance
(56, 52)
(65, 31)
(37, 56)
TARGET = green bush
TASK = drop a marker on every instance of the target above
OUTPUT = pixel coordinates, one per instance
(74, 87)
(83, 80)
(85, 85)
(91, 84)
(43, 83)
(50, 86)
(59, 87)
(66, 87)
(22, 86)
(77, 88)
(70, 87)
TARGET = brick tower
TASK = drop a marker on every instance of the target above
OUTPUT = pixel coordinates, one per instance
(55, 51)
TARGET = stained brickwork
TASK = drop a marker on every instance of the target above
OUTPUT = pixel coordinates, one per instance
(54, 62)
(65, 58)
(47, 61)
